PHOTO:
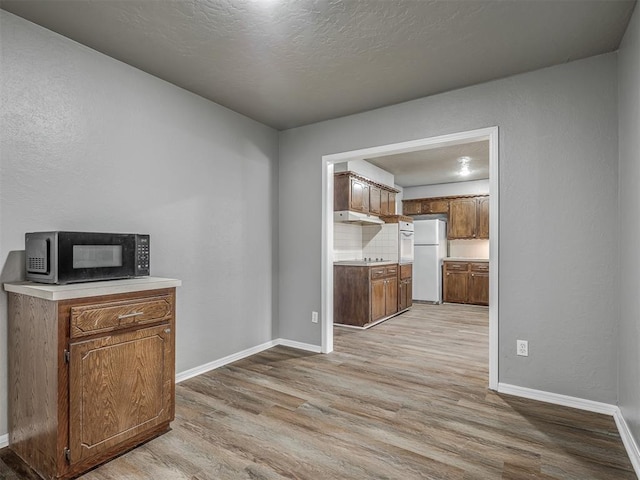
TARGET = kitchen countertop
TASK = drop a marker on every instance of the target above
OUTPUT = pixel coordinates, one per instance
(90, 289)
(364, 263)
(463, 259)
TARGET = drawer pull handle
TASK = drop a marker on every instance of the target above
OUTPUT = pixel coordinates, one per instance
(129, 315)
(167, 330)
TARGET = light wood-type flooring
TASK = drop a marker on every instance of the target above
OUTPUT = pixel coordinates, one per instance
(406, 399)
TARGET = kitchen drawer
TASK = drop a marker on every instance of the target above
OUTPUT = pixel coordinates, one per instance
(378, 272)
(456, 266)
(105, 317)
(406, 271)
(391, 271)
(480, 267)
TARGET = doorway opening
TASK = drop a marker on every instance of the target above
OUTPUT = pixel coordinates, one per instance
(328, 161)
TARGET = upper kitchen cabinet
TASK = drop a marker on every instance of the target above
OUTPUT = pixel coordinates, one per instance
(435, 205)
(387, 202)
(469, 218)
(359, 194)
(463, 221)
(482, 210)
(350, 193)
(411, 207)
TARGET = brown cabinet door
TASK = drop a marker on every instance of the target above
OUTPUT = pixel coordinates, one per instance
(391, 296)
(455, 287)
(374, 200)
(359, 196)
(378, 307)
(392, 203)
(479, 288)
(384, 202)
(119, 386)
(435, 206)
(462, 218)
(405, 291)
(483, 217)
(411, 207)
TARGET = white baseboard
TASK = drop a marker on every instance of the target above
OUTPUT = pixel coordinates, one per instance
(193, 372)
(4, 440)
(627, 439)
(558, 399)
(299, 345)
(629, 442)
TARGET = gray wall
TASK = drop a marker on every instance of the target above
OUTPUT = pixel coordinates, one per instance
(558, 223)
(89, 143)
(629, 138)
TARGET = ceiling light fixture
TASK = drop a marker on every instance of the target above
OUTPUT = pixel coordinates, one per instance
(464, 166)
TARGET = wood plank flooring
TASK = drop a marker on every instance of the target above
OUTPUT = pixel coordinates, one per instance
(407, 399)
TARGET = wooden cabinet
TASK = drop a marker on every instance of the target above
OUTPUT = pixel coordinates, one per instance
(469, 218)
(90, 377)
(479, 283)
(387, 202)
(411, 207)
(374, 200)
(435, 205)
(466, 282)
(482, 211)
(364, 294)
(462, 218)
(356, 193)
(405, 287)
(456, 282)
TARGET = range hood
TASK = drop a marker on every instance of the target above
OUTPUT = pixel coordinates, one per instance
(348, 216)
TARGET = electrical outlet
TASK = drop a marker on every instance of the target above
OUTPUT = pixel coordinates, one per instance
(522, 348)
(314, 317)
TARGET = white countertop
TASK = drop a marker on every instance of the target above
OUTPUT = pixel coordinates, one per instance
(364, 263)
(463, 259)
(90, 289)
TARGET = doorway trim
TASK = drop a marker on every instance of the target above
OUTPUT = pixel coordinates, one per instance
(489, 133)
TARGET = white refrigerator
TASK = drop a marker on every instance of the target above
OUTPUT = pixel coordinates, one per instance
(429, 249)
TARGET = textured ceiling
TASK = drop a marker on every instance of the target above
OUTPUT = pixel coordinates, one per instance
(288, 63)
(437, 164)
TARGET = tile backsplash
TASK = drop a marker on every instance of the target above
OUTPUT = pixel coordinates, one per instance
(380, 241)
(469, 248)
(354, 242)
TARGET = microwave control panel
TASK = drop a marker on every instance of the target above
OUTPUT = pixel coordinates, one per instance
(142, 255)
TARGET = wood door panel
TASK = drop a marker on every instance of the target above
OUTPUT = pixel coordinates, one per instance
(479, 288)
(101, 318)
(377, 299)
(462, 218)
(456, 287)
(120, 385)
(391, 296)
(375, 201)
(483, 217)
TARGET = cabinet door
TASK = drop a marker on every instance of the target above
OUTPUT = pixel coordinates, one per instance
(404, 294)
(435, 206)
(455, 287)
(392, 203)
(483, 217)
(374, 200)
(378, 308)
(462, 218)
(359, 196)
(391, 296)
(119, 387)
(412, 207)
(479, 288)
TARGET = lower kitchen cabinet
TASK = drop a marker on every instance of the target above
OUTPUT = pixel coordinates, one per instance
(90, 377)
(466, 282)
(364, 294)
(405, 287)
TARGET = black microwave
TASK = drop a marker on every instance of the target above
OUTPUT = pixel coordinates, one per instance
(72, 257)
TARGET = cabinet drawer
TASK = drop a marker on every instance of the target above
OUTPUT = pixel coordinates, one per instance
(480, 267)
(378, 272)
(406, 271)
(456, 266)
(391, 271)
(105, 317)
